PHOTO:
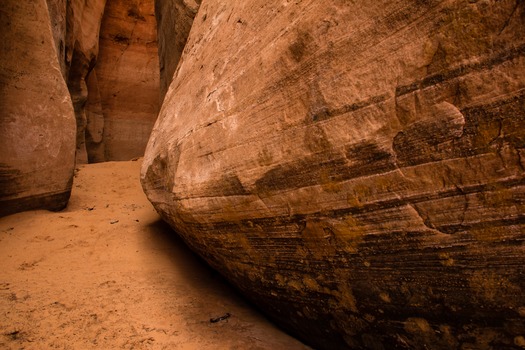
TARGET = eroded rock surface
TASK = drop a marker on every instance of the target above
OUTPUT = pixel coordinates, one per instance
(127, 72)
(80, 46)
(176, 18)
(108, 56)
(356, 169)
(37, 124)
(58, 16)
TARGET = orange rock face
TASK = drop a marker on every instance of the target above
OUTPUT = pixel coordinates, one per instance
(81, 45)
(115, 105)
(108, 55)
(127, 72)
(37, 123)
(357, 170)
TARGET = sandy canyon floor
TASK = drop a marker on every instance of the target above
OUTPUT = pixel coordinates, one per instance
(107, 273)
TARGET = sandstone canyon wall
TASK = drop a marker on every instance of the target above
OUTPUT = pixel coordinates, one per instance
(37, 123)
(176, 18)
(109, 59)
(114, 105)
(355, 168)
(83, 18)
(127, 72)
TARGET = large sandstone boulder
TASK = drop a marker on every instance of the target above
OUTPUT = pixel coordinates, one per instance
(37, 124)
(355, 168)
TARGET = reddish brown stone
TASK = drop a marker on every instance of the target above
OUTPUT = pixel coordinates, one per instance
(356, 169)
(37, 124)
(108, 53)
(127, 72)
(174, 17)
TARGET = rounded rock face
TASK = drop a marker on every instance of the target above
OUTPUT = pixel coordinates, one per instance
(37, 122)
(356, 170)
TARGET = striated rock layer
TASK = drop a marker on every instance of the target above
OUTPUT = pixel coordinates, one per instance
(108, 56)
(356, 169)
(126, 82)
(174, 17)
(37, 123)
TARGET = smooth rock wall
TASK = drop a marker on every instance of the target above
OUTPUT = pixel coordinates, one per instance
(356, 169)
(82, 46)
(127, 72)
(37, 123)
(95, 121)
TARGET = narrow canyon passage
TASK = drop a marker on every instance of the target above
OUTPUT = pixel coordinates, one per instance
(355, 169)
(107, 273)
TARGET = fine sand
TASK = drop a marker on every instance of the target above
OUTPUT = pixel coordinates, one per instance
(106, 273)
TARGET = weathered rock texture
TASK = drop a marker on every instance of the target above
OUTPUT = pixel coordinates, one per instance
(37, 124)
(82, 46)
(76, 26)
(174, 17)
(58, 14)
(127, 71)
(108, 56)
(355, 168)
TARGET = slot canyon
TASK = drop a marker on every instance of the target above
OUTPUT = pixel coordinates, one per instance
(285, 174)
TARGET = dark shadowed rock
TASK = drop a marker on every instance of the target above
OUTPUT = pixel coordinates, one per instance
(37, 124)
(356, 169)
(81, 46)
(174, 17)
